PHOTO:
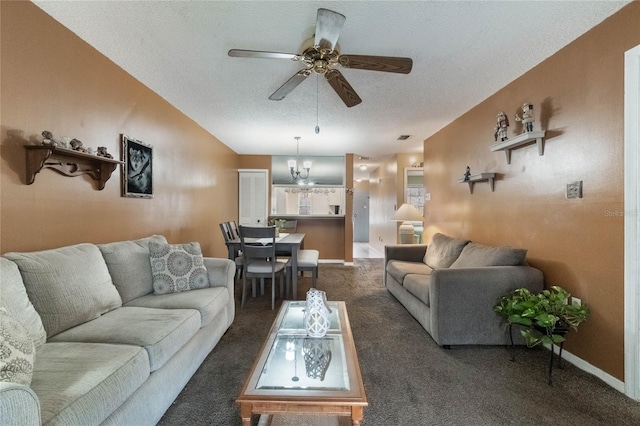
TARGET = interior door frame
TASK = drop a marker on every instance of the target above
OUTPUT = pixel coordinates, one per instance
(632, 222)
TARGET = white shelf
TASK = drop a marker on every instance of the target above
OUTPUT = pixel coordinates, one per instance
(520, 140)
(489, 177)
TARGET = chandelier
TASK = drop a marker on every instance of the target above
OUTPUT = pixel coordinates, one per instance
(293, 164)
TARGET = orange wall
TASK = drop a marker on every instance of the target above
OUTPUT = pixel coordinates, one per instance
(53, 80)
(578, 243)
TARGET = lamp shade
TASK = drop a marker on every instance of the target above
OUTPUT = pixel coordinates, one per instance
(407, 212)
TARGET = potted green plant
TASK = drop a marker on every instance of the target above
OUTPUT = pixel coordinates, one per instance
(545, 317)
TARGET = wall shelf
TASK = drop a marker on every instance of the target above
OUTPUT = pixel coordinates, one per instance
(489, 177)
(68, 163)
(518, 141)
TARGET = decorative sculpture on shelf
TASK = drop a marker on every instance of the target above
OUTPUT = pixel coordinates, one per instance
(102, 152)
(316, 314)
(76, 145)
(527, 118)
(467, 174)
(502, 122)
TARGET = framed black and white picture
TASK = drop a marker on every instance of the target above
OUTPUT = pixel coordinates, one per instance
(137, 172)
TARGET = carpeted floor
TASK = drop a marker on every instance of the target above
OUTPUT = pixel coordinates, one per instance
(409, 380)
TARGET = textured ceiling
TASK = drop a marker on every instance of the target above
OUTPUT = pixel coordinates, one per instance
(462, 53)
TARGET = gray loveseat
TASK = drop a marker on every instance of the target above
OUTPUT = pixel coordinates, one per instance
(108, 350)
(451, 285)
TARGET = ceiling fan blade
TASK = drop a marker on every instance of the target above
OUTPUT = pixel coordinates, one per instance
(290, 84)
(377, 63)
(328, 27)
(342, 88)
(239, 53)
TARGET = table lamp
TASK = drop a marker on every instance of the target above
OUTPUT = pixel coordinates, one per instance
(406, 214)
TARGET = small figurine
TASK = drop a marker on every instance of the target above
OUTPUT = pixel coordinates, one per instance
(527, 117)
(467, 174)
(502, 122)
(47, 138)
(76, 145)
(102, 152)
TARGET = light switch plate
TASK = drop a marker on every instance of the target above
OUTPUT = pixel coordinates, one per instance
(574, 189)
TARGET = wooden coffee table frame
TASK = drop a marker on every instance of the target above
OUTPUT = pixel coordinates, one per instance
(281, 401)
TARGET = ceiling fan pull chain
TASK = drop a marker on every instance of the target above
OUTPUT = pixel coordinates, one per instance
(317, 102)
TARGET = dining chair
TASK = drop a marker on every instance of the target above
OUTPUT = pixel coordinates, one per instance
(260, 260)
(238, 258)
(307, 261)
(233, 227)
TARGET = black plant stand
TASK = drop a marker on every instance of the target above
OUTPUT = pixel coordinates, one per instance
(562, 331)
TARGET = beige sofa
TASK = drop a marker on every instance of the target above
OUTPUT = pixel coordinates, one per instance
(107, 349)
(451, 285)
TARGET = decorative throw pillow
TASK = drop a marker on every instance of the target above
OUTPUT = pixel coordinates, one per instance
(476, 255)
(443, 250)
(177, 267)
(17, 352)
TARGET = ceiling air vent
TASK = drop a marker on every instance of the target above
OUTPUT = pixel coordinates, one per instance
(403, 137)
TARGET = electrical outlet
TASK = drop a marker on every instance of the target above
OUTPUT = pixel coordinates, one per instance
(427, 196)
(574, 189)
(575, 301)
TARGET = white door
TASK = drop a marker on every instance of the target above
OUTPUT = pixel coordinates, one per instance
(253, 189)
(632, 222)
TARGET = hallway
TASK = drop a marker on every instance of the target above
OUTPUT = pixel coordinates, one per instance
(365, 251)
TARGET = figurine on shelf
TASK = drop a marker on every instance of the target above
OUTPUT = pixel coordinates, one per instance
(102, 152)
(47, 139)
(467, 174)
(76, 145)
(502, 122)
(527, 117)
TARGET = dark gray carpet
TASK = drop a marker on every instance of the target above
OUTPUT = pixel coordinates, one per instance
(409, 380)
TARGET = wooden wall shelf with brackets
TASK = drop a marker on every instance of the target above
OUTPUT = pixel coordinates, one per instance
(520, 140)
(68, 163)
(489, 177)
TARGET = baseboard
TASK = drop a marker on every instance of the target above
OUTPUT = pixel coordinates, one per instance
(591, 369)
(330, 261)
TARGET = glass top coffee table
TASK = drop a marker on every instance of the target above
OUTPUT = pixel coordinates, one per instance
(294, 373)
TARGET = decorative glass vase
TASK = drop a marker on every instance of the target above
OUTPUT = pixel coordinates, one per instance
(316, 314)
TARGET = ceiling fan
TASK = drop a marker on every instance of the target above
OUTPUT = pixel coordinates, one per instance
(321, 54)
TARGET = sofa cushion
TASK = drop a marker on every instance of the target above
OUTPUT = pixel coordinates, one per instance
(177, 267)
(477, 255)
(128, 263)
(443, 250)
(67, 286)
(418, 285)
(162, 332)
(208, 301)
(16, 351)
(83, 383)
(398, 269)
(13, 297)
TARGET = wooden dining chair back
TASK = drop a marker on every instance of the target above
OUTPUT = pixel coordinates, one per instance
(258, 246)
(237, 257)
(226, 231)
(233, 228)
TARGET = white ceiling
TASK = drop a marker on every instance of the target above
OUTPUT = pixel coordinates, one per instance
(463, 51)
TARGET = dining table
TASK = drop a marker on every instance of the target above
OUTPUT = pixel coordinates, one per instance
(285, 243)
